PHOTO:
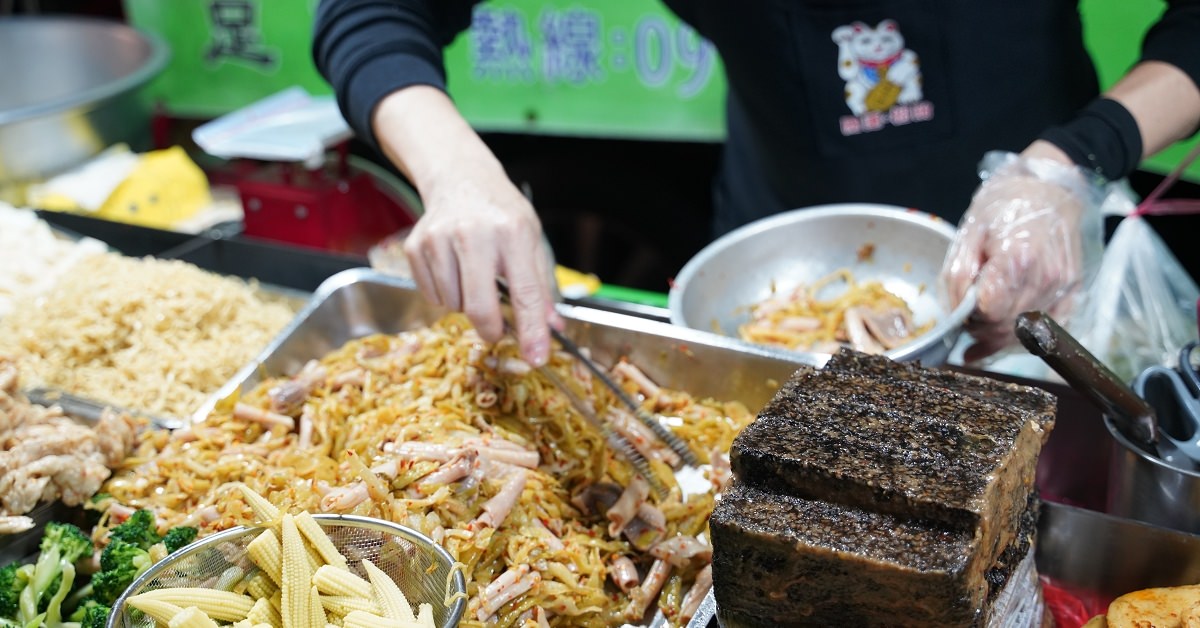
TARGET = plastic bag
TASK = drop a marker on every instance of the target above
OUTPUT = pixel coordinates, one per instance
(1141, 307)
(290, 125)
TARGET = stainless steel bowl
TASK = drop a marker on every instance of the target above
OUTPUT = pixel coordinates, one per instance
(714, 290)
(424, 571)
(69, 88)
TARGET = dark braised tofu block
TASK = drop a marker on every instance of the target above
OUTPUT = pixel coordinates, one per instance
(1040, 403)
(1000, 571)
(786, 561)
(894, 446)
(874, 493)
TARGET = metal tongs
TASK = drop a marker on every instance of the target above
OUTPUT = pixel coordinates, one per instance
(90, 410)
(1136, 419)
(618, 442)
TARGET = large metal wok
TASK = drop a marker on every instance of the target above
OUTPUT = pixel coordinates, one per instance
(69, 88)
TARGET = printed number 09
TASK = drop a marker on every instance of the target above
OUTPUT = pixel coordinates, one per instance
(658, 47)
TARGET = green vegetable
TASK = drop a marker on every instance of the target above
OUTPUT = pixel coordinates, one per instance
(44, 601)
(62, 545)
(95, 616)
(177, 537)
(120, 564)
(140, 529)
(10, 591)
(127, 555)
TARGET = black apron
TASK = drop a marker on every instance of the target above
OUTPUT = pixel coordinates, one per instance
(884, 101)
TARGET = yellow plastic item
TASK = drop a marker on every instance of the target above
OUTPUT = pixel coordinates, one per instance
(574, 284)
(55, 202)
(165, 188)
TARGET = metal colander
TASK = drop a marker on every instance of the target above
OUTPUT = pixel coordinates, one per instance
(421, 568)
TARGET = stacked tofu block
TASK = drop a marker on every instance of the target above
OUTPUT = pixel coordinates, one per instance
(877, 493)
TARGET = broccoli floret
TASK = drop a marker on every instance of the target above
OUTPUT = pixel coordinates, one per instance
(10, 591)
(120, 564)
(139, 529)
(119, 555)
(65, 541)
(62, 545)
(108, 586)
(95, 616)
(90, 614)
(177, 537)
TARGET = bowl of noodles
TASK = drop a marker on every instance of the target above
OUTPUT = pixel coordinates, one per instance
(816, 279)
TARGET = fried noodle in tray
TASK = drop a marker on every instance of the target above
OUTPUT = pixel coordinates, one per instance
(462, 441)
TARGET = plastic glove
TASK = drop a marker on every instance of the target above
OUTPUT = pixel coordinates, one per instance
(1032, 228)
(475, 229)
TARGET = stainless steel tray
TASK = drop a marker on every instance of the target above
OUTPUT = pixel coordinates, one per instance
(1109, 556)
(360, 302)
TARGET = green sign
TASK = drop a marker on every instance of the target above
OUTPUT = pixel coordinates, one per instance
(623, 68)
(611, 68)
(226, 54)
(618, 68)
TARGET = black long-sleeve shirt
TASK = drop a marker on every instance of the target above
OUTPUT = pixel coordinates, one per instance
(890, 101)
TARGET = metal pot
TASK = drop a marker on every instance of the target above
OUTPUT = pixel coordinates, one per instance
(69, 88)
(1143, 487)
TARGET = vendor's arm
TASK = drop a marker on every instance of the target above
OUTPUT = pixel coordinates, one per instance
(384, 60)
(1022, 241)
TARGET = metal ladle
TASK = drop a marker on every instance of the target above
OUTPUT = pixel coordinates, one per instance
(1135, 418)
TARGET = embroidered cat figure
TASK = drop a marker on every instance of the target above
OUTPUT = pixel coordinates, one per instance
(879, 71)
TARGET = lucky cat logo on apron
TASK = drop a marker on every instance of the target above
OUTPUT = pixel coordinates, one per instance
(883, 78)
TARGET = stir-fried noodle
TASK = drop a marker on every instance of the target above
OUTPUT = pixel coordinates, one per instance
(463, 441)
(863, 315)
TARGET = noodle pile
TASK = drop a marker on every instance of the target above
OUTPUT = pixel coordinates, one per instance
(367, 434)
(33, 257)
(806, 320)
(155, 335)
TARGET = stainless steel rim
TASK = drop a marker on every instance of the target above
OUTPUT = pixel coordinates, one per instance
(955, 318)
(1134, 449)
(355, 521)
(159, 55)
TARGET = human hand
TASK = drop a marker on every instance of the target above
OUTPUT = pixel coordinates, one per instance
(1021, 243)
(477, 227)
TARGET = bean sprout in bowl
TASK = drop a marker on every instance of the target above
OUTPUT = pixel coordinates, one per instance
(903, 249)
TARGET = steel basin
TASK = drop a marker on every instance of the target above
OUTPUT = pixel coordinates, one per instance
(713, 291)
(69, 88)
(1143, 487)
